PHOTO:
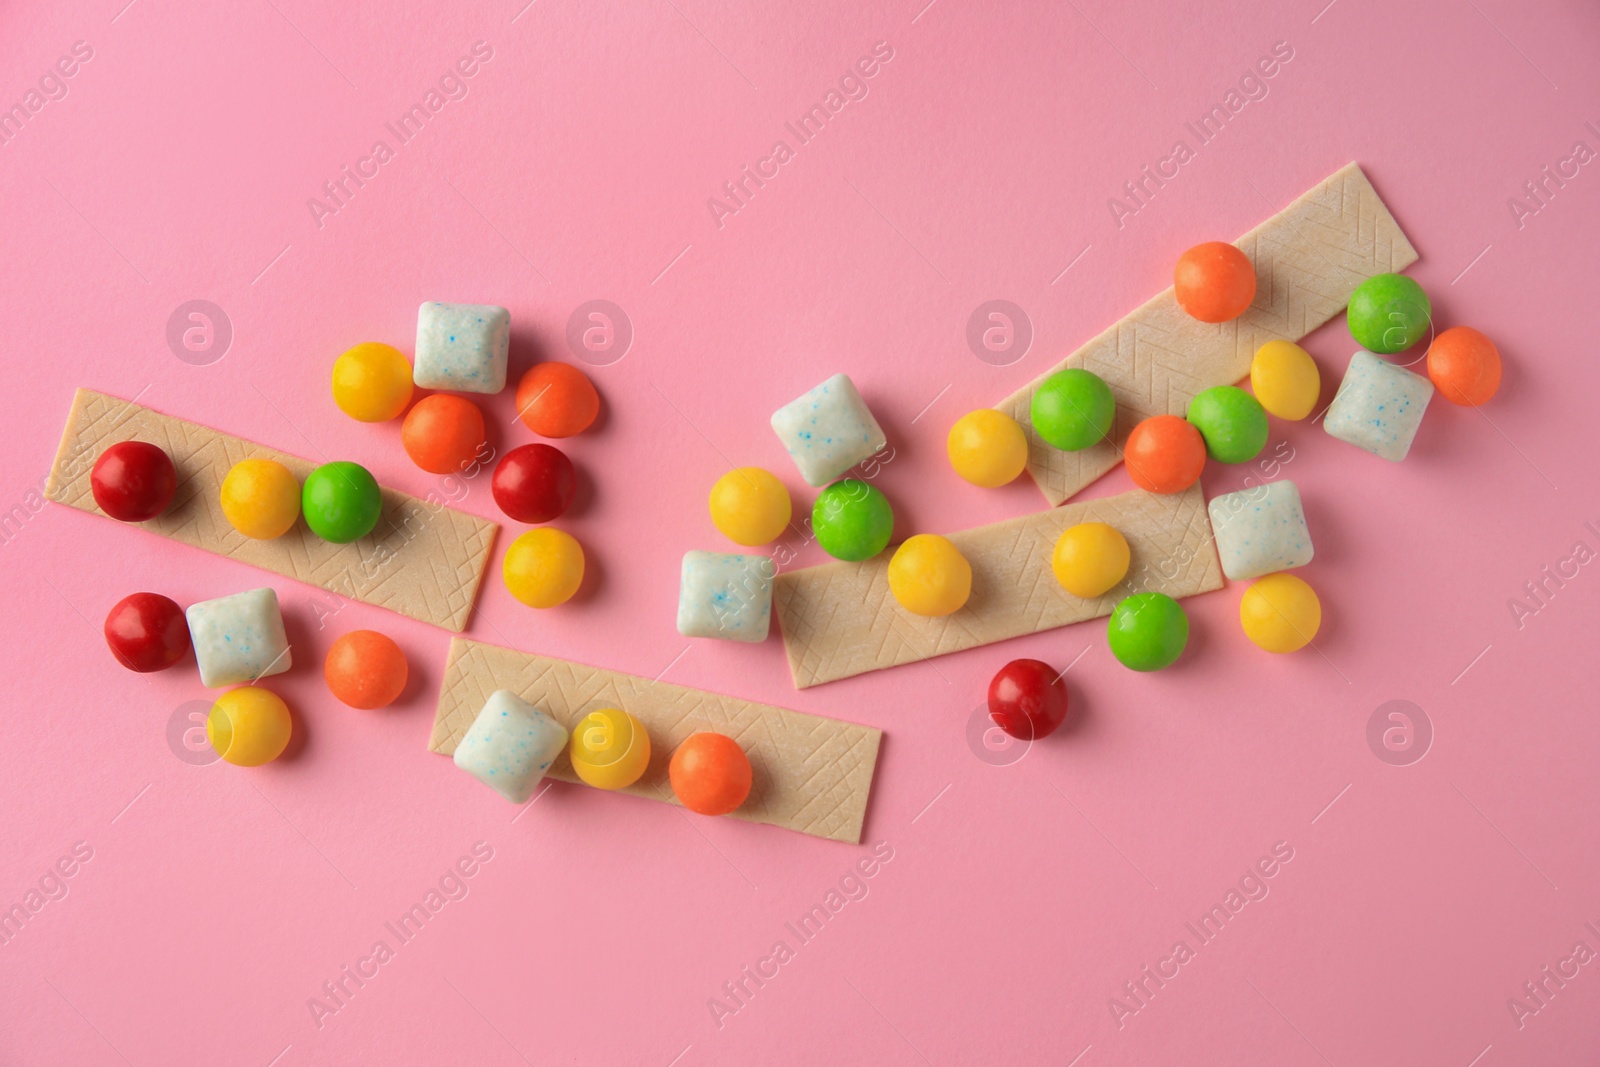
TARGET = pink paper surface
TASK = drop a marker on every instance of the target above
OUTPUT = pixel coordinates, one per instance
(1013, 895)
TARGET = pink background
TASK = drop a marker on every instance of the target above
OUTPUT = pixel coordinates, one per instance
(1019, 897)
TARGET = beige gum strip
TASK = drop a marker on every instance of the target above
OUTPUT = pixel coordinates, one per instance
(1309, 258)
(423, 560)
(810, 773)
(839, 619)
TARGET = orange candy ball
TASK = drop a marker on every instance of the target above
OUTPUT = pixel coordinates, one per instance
(1214, 282)
(1165, 454)
(710, 774)
(365, 669)
(556, 400)
(443, 433)
(1464, 366)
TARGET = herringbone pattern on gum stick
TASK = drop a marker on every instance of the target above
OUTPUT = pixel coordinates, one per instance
(811, 774)
(1309, 258)
(423, 560)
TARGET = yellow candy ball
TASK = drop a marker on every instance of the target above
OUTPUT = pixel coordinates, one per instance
(929, 576)
(1285, 380)
(987, 447)
(261, 498)
(1280, 613)
(1090, 559)
(249, 726)
(543, 567)
(372, 382)
(750, 506)
(610, 749)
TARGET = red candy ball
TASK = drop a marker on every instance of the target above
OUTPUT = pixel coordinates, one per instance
(133, 481)
(534, 483)
(1028, 699)
(147, 632)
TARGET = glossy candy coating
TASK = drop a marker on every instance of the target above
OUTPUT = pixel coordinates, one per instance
(710, 774)
(1072, 409)
(1148, 631)
(543, 567)
(1280, 613)
(372, 382)
(146, 632)
(929, 576)
(365, 669)
(1285, 380)
(750, 506)
(1090, 559)
(1028, 699)
(341, 502)
(556, 400)
(249, 726)
(260, 498)
(534, 483)
(987, 448)
(1388, 313)
(1232, 421)
(610, 749)
(133, 481)
(443, 433)
(852, 520)
(1464, 366)
(1214, 282)
(1164, 454)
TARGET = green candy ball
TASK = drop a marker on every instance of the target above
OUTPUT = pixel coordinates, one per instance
(341, 502)
(1388, 313)
(1148, 631)
(1073, 409)
(852, 520)
(1232, 421)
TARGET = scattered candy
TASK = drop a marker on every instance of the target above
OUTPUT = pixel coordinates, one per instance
(828, 430)
(249, 726)
(987, 448)
(1379, 407)
(750, 506)
(261, 498)
(1464, 366)
(1285, 380)
(1280, 613)
(534, 483)
(1214, 282)
(365, 669)
(341, 502)
(443, 433)
(929, 576)
(238, 638)
(556, 400)
(133, 481)
(510, 745)
(1072, 409)
(710, 774)
(146, 632)
(1388, 313)
(543, 567)
(372, 382)
(610, 749)
(852, 520)
(1148, 631)
(1165, 454)
(1090, 559)
(462, 347)
(1028, 699)
(1232, 421)
(1260, 530)
(725, 595)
